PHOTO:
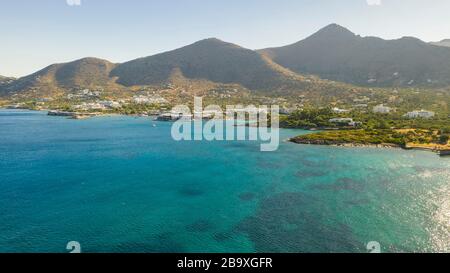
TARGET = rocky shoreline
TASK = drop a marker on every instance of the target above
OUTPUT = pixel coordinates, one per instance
(72, 115)
(322, 142)
(343, 144)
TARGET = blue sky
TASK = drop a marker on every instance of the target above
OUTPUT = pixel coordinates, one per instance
(36, 33)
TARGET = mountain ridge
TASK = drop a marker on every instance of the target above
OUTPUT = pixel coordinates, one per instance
(6, 80)
(209, 59)
(83, 73)
(338, 54)
(445, 43)
(333, 57)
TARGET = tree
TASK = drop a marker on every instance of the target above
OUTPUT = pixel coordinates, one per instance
(444, 139)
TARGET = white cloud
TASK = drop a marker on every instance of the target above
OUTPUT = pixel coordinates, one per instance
(374, 2)
(73, 2)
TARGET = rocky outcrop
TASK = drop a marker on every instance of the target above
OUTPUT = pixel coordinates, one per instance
(341, 143)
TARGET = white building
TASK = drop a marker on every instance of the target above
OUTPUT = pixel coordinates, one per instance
(420, 114)
(340, 111)
(149, 100)
(362, 105)
(90, 106)
(141, 100)
(347, 121)
(361, 100)
(111, 104)
(381, 109)
(341, 120)
(174, 115)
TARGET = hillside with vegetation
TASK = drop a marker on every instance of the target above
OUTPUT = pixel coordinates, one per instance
(84, 73)
(210, 59)
(388, 130)
(215, 61)
(407, 139)
(6, 80)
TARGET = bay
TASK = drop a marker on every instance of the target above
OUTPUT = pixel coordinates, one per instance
(120, 184)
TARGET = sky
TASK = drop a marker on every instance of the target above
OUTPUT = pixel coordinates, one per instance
(37, 33)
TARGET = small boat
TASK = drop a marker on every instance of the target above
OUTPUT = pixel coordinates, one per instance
(164, 117)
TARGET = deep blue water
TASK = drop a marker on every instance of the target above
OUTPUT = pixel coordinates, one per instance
(118, 184)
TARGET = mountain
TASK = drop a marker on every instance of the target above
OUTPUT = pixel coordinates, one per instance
(212, 60)
(336, 53)
(330, 62)
(6, 80)
(202, 66)
(84, 73)
(445, 43)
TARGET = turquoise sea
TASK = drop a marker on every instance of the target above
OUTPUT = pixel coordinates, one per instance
(119, 184)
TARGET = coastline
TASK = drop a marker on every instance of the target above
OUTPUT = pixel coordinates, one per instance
(298, 140)
(74, 115)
